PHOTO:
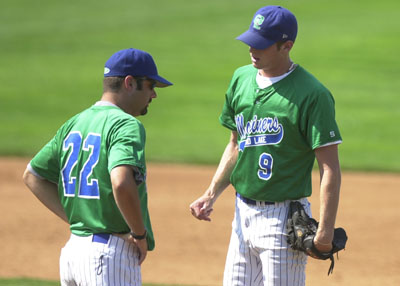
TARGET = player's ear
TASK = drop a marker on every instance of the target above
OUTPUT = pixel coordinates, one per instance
(129, 82)
(288, 45)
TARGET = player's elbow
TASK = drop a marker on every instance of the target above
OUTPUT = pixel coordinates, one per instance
(31, 181)
(122, 180)
(123, 190)
(27, 178)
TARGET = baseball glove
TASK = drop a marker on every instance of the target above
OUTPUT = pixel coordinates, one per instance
(301, 230)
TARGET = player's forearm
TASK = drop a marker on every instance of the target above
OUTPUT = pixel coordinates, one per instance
(46, 192)
(128, 204)
(329, 201)
(221, 179)
(328, 161)
(127, 198)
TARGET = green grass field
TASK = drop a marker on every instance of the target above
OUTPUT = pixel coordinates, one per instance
(27, 282)
(52, 56)
(36, 282)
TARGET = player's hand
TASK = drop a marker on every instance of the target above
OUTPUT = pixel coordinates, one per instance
(321, 245)
(141, 247)
(202, 208)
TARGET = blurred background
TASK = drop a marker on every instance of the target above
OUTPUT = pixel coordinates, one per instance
(52, 55)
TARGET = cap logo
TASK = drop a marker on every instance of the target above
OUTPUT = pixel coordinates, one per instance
(284, 36)
(106, 70)
(258, 20)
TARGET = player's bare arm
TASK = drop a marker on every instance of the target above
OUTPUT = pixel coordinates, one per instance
(127, 198)
(328, 161)
(46, 192)
(202, 207)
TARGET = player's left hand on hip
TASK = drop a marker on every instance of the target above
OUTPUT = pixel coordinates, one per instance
(142, 248)
(141, 245)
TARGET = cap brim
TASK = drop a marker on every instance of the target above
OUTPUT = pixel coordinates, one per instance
(161, 82)
(254, 40)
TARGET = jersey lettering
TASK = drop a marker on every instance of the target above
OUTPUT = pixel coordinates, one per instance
(90, 189)
(258, 132)
(87, 189)
(73, 142)
(265, 163)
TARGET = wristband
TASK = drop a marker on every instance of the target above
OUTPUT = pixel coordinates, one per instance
(139, 237)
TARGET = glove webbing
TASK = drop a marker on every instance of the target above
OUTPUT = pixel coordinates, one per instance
(332, 264)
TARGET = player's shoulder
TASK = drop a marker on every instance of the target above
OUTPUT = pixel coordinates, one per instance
(116, 117)
(68, 124)
(305, 79)
(243, 76)
(111, 117)
(113, 113)
(246, 70)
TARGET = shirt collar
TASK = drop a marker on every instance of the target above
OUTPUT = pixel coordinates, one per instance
(104, 103)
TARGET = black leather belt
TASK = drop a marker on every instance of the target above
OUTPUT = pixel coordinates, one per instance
(253, 202)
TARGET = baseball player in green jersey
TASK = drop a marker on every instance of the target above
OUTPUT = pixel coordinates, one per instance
(92, 174)
(281, 118)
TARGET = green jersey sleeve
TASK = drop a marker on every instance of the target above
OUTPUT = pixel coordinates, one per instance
(127, 145)
(319, 124)
(227, 117)
(236, 95)
(46, 163)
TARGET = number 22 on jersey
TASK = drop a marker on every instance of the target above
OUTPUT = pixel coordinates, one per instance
(87, 188)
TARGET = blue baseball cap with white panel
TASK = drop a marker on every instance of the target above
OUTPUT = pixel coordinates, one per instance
(134, 62)
(270, 24)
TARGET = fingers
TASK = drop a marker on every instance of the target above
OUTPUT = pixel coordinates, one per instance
(202, 214)
(201, 210)
(141, 246)
(142, 255)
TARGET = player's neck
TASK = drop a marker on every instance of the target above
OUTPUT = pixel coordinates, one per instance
(285, 67)
(116, 99)
(110, 97)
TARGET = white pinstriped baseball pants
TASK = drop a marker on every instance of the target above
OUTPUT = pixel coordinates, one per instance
(108, 263)
(258, 253)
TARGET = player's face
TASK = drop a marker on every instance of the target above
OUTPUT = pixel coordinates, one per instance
(143, 97)
(272, 60)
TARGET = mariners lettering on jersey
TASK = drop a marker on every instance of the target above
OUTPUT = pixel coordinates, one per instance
(257, 132)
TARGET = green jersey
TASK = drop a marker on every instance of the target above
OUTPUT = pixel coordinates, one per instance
(278, 129)
(79, 160)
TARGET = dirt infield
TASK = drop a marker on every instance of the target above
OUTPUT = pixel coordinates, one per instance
(192, 252)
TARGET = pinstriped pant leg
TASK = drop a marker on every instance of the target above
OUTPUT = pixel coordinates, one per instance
(287, 269)
(281, 265)
(243, 266)
(66, 277)
(88, 263)
(119, 265)
(258, 252)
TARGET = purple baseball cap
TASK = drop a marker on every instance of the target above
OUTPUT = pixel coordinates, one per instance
(270, 24)
(135, 63)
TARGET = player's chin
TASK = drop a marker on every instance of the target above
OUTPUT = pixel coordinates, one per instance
(256, 66)
(255, 61)
(144, 111)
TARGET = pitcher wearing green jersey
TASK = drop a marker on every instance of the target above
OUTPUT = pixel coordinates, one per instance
(281, 118)
(92, 174)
